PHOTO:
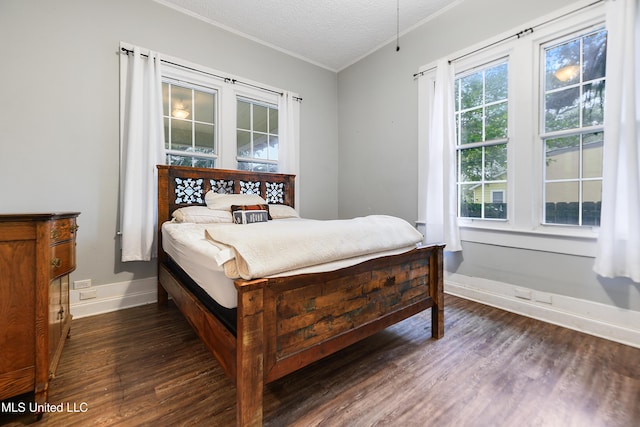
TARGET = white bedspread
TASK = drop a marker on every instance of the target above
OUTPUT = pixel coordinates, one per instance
(258, 250)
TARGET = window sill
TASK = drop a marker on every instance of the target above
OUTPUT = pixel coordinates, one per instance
(554, 239)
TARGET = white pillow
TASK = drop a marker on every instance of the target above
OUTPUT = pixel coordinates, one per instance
(282, 211)
(224, 201)
(201, 215)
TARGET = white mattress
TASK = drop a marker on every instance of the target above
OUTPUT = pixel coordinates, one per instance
(186, 244)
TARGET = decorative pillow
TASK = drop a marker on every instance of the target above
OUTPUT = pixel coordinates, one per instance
(258, 207)
(282, 211)
(201, 215)
(224, 201)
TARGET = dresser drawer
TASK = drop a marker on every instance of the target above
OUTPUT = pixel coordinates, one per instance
(63, 258)
(63, 229)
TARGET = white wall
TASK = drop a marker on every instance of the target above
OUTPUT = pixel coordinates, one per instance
(378, 130)
(59, 112)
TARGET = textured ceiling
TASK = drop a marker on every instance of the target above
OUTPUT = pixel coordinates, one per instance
(331, 33)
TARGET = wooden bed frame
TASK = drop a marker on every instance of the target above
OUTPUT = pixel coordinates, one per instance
(286, 323)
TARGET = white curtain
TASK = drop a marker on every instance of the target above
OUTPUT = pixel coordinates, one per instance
(618, 251)
(437, 208)
(142, 150)
(289, 136)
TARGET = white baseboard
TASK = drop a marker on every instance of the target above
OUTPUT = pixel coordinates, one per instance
(114, 296)
(605, 321)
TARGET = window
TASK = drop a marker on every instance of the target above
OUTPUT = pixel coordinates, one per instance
(257, 135)
(481, 109)
(189, 124)
(574, 85)
(223, 122)
(529, 109)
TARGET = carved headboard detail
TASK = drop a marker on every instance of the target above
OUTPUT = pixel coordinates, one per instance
(180, 186)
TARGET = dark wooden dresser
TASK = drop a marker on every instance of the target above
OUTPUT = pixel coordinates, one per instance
(37, 253)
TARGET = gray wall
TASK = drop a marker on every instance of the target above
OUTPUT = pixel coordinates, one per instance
(59, 125)
(59, 112)
(378, 131)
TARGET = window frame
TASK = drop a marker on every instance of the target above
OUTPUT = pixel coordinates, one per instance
(471, 68)
(580, 131)
(523, 227)
(216, 123)
(268, 162)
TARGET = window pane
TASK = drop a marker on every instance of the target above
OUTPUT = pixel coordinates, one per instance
(593, 104)
(259, 118)
(273, 147)
(181, 134)
(273, 121)
(471, 126)
(166, 132)
(471, 164)
(205, 138)
(562, 110)
(204, 107)
(496, 83)
(243, 119)
(471, 200)
(592, 196)
(257, 167)
(592, 155)
(496, 122)
(190, 161)
(495, 168)
(496, 204)
(165, 99)
(562, 202)
(179, 160)
(562, 158)
(471, 91)
(203, 163)
(594, 56)
(181, 102)
(260, 146)
(562, 65)
(243, 139)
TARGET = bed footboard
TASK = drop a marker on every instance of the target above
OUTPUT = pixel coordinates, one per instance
(287, 323)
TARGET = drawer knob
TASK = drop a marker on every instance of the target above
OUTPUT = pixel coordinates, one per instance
(56, 262)
(74, 228)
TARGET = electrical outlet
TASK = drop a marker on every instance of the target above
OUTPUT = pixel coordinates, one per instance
(88, 294)
(544, 298)
(522, 293)
(82, 284)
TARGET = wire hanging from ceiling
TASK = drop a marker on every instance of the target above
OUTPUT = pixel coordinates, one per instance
(397, 25)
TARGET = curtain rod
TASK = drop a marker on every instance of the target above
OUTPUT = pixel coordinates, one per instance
(518, 35)
(225, 79)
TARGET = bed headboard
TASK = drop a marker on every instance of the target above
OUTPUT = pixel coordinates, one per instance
(180, 186)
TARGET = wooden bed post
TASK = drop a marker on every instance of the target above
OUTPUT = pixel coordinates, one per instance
(437, 291)
(250, 352)
(163, 215)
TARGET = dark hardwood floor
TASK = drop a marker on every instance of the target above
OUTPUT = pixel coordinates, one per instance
(145, 366)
